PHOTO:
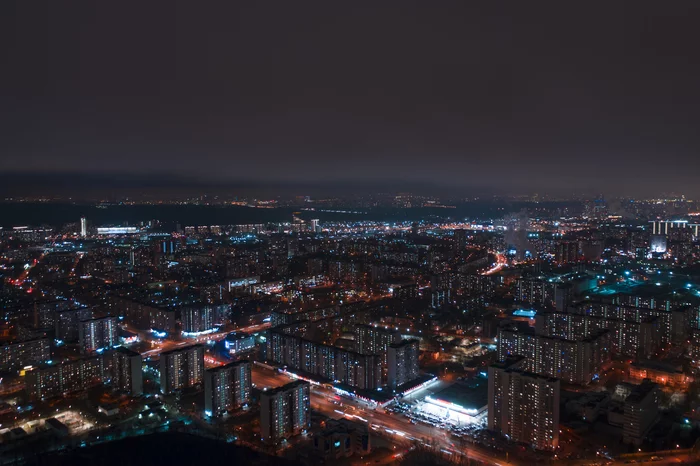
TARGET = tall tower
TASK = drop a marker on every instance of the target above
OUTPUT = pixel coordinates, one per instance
(459, 242)
(314, 225)
(83, 227)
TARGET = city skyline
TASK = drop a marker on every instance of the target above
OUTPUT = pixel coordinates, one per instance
(460, 338)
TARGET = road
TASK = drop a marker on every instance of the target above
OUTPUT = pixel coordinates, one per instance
(501, 262)
(395, 426)
(167, 344)
(8, 389)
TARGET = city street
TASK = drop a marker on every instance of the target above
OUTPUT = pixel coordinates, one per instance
(167, 345)
(396, 426)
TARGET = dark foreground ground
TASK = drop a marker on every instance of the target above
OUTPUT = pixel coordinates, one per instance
(167, 449)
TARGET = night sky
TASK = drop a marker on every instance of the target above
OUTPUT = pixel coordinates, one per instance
(531, 96)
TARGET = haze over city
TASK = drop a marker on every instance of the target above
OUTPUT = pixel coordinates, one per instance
(349, 234)
(508, 96)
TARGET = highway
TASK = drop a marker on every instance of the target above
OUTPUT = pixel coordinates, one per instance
(501, 262)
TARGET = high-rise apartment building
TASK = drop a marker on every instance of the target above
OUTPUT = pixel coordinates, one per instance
(127, 371)
(52, 380)
(198, 319)
(18, 354)
(181, 368)
(523, 405)
(227, 387)
(459, 244)
(631, 338)
(402, 361)
(97, 334)
(375, 340)
(666, 227)
(535, 291)
(67, 323)
(641, 412)
(566, 252)
(695, 347)
(363, 371)
(673, 318)
(285, 411)
(575, 361)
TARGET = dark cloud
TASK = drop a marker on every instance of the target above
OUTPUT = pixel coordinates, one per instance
(521, 95)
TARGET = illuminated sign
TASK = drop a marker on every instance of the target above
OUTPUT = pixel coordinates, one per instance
(196, 334)
(449, 405)
(117, 230)
(158, 333)
(525, 313)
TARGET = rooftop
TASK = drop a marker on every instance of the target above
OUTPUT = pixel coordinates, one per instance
(284, 388)
(640, 392)
(127, 351)
(471, 394)
(657, 366)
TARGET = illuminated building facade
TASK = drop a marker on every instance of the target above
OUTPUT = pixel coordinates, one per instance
(362, 371)
(666, 227)
(181, 368)
(53, 380)
(628, 338)
(196, 320)
(18, 354)
(658, 244)
(67, 323)
(285, 411)
(97, 334)
(117, 230)
(227, 387)
(341, 439)
(523, 406)
(660, 374)
(575, 361)
(375, 340)
(314, 226)
(237, 342)
(567, 252)
(402, 360)
(335, 364)
(127, 371)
